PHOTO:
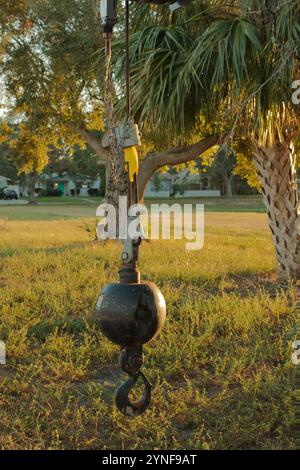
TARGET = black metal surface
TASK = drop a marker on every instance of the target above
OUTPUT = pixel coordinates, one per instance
(131, 359)
(123, 402)
(129, 275)
(108, 15)
(131, 314)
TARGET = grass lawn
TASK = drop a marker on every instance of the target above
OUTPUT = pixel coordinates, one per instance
(221, 368)
(48, 211)
(220, 204)
(50, 208)
(68, 200)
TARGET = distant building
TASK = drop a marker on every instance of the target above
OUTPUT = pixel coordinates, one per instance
(64, 183)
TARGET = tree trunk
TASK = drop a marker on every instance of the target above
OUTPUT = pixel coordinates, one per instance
(30, 183)
(278, 178)
(228, 185)
(116, 180)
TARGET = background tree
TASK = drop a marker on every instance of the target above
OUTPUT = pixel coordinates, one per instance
(29, 154)
(54, 69)
(79, 164)
(7, 168)
(222, 166)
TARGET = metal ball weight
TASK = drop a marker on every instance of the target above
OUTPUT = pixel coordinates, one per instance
(131, 314)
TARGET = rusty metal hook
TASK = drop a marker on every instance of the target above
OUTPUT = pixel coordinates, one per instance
(131, 360)
(123, 402)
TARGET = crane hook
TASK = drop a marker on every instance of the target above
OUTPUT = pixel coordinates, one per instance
(123, 402)
(131, 360)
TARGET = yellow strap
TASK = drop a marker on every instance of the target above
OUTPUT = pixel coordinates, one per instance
(132, 158)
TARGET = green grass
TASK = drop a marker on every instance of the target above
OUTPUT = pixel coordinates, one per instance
(220, 204)
(67, 200)
(74, 208)
(221, 367)
(48, 212)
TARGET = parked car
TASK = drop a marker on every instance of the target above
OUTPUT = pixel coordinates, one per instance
(8, 194)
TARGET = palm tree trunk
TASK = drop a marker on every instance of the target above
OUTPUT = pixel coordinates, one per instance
(278, 178)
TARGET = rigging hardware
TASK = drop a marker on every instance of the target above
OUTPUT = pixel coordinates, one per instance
(130, 313)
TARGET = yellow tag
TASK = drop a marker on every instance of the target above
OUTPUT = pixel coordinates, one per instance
(132, 158)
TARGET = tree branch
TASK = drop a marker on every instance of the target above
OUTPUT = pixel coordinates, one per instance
(93, 142)
(174, 156)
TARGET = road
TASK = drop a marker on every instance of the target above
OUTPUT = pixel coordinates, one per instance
(14, 202)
